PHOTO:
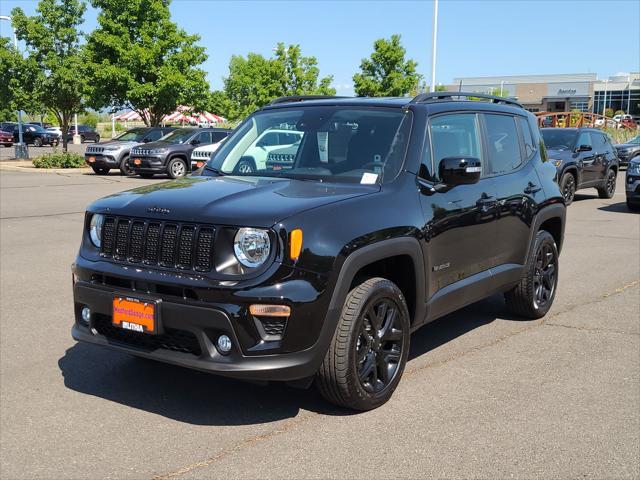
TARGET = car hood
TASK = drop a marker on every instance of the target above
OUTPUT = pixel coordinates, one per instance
(162, 144)
(227, 200)
(120, 144)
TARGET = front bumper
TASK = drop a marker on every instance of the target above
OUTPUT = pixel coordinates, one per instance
(190, 324)
(101, 160)
(147, 164)
(632, 188)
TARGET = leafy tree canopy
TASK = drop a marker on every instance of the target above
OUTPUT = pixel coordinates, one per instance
(19, 80)
(254, 81)
(386, 72)
(140, 59)
(54, 57)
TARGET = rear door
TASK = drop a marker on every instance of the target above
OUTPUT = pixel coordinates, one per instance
(511, 146)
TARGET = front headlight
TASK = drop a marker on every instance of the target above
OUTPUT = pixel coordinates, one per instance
(557, 163)
(634, 168)
(95, 229)
(252, 246)
(111, 149)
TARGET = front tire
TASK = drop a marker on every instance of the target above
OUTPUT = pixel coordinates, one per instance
(100, 170)
(125, 169)
(533, 296)
(37, 142)
(177, 168)
(568, 188)
(369, 350)
(609, 188)
(97, 139)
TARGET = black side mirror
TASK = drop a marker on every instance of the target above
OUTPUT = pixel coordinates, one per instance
(459, 170)
(584, 148)
(195, 141)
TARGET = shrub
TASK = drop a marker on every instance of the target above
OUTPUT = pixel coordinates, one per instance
(59, 160)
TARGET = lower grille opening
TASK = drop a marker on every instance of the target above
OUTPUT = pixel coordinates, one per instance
(171, 339)
(271, 328)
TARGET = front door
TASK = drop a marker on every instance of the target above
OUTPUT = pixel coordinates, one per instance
(587, 160)
(460, 230)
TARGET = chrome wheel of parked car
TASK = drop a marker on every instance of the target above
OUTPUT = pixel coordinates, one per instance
(177, 168)
(37, 142)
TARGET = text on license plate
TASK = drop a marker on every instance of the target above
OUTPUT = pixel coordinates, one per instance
(134, 314)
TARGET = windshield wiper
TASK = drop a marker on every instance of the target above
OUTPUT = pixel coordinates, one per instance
(214, 170)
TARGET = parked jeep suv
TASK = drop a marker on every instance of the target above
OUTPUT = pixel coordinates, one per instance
(115, 153)
(171, 154)
(321, 271)
(584, 158)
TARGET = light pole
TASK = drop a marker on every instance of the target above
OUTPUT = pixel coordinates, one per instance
(502, 88)
(21, 148)
(434, 43)
(629, 95)
(604, 103)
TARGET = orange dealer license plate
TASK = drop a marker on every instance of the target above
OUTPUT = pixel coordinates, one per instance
(92, 159)
(135, 314)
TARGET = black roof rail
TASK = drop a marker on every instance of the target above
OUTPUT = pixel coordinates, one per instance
(302, 98)
(434, 96)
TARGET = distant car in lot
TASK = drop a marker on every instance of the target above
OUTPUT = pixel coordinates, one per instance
(632, 184)
(255, 157)
(44, 125)
(201, 155)
(31, 134)
(628, 151)
(584, 158)
(171, 154)
(6, 138)
(115, 153)
(85, 132)
(55, 130)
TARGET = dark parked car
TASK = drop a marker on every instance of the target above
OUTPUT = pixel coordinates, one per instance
(6, 138)
(44, 125)
(395, 212)
(172, 154)
(632, 182)
(584, 158)
(85, 132)
(628, 151)
(31, 134)
(115, 153)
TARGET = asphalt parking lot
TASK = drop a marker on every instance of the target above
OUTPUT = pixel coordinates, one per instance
(484, 394)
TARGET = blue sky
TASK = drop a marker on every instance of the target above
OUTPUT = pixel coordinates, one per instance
(476, 38)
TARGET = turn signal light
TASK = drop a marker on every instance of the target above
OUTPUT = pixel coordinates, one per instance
(270, 310)
(295, 244)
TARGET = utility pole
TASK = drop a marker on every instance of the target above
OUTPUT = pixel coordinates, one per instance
(604, 103)
(21, 148)
(434, 45)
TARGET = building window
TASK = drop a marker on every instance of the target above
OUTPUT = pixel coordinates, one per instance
(580, 105)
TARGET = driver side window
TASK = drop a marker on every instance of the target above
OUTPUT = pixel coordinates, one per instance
(584, 139)
(455, 135)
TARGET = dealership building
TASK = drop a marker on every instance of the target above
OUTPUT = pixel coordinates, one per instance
(561, 92)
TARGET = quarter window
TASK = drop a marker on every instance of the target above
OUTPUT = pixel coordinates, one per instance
(502, 143)
(527, 138)
(455, 135)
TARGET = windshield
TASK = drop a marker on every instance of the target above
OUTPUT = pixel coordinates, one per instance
(349, 144)
(559, 139)
(37, 128)
(133, 135)
(635, 140)
(179, 136)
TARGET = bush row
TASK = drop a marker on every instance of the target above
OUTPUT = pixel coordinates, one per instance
(59, 160)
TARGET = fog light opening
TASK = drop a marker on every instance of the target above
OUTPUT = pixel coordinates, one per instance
(224, 344)
(86, 315)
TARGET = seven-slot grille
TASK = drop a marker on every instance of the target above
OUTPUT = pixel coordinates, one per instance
(140, 151)
(282, 157)
(152, 242)
(201, 154)
(94, 149)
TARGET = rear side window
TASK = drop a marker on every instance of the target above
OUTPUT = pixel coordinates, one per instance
(153, 135)
(204, 137)
(503, 145)
(217, 136)
(455, 135)
(527, 138)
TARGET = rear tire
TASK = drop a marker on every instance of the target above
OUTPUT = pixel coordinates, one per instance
(609, 188)
(369, 350)
(568, 188)
(100, 170)
(125, 169)
(37, 142)
(533, 296)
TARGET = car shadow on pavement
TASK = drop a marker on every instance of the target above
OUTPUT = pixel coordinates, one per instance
(203, 399)
(620, 207)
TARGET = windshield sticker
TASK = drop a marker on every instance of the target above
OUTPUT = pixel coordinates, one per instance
(369, 178)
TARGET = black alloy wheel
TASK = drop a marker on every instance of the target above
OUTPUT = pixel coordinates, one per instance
(609, 188)
(379, 345)
(568, 188)
(544, 278)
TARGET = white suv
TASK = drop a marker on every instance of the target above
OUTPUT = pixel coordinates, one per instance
(201, 155)
(255, 157)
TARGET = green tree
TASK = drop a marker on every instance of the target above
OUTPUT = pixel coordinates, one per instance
(140, 59)
(53, 47)
(255, 81)
(386, 72)
(18, 82)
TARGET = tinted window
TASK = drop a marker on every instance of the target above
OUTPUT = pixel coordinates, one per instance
(527, 138)
(217, 136)
(559, 139)
(584, 139)
(502, 143)
(204, 137)
(269, 139)
(455, 135)
(153, 135)
(289, 138)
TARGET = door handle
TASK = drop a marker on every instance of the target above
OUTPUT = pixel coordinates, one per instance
(531, 188)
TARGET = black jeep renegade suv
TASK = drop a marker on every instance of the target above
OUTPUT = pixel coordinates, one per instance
(393, 213)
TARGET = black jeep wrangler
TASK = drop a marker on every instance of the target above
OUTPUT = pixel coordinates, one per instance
(393, 213)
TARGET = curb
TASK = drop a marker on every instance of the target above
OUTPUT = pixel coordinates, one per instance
(30, 168)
